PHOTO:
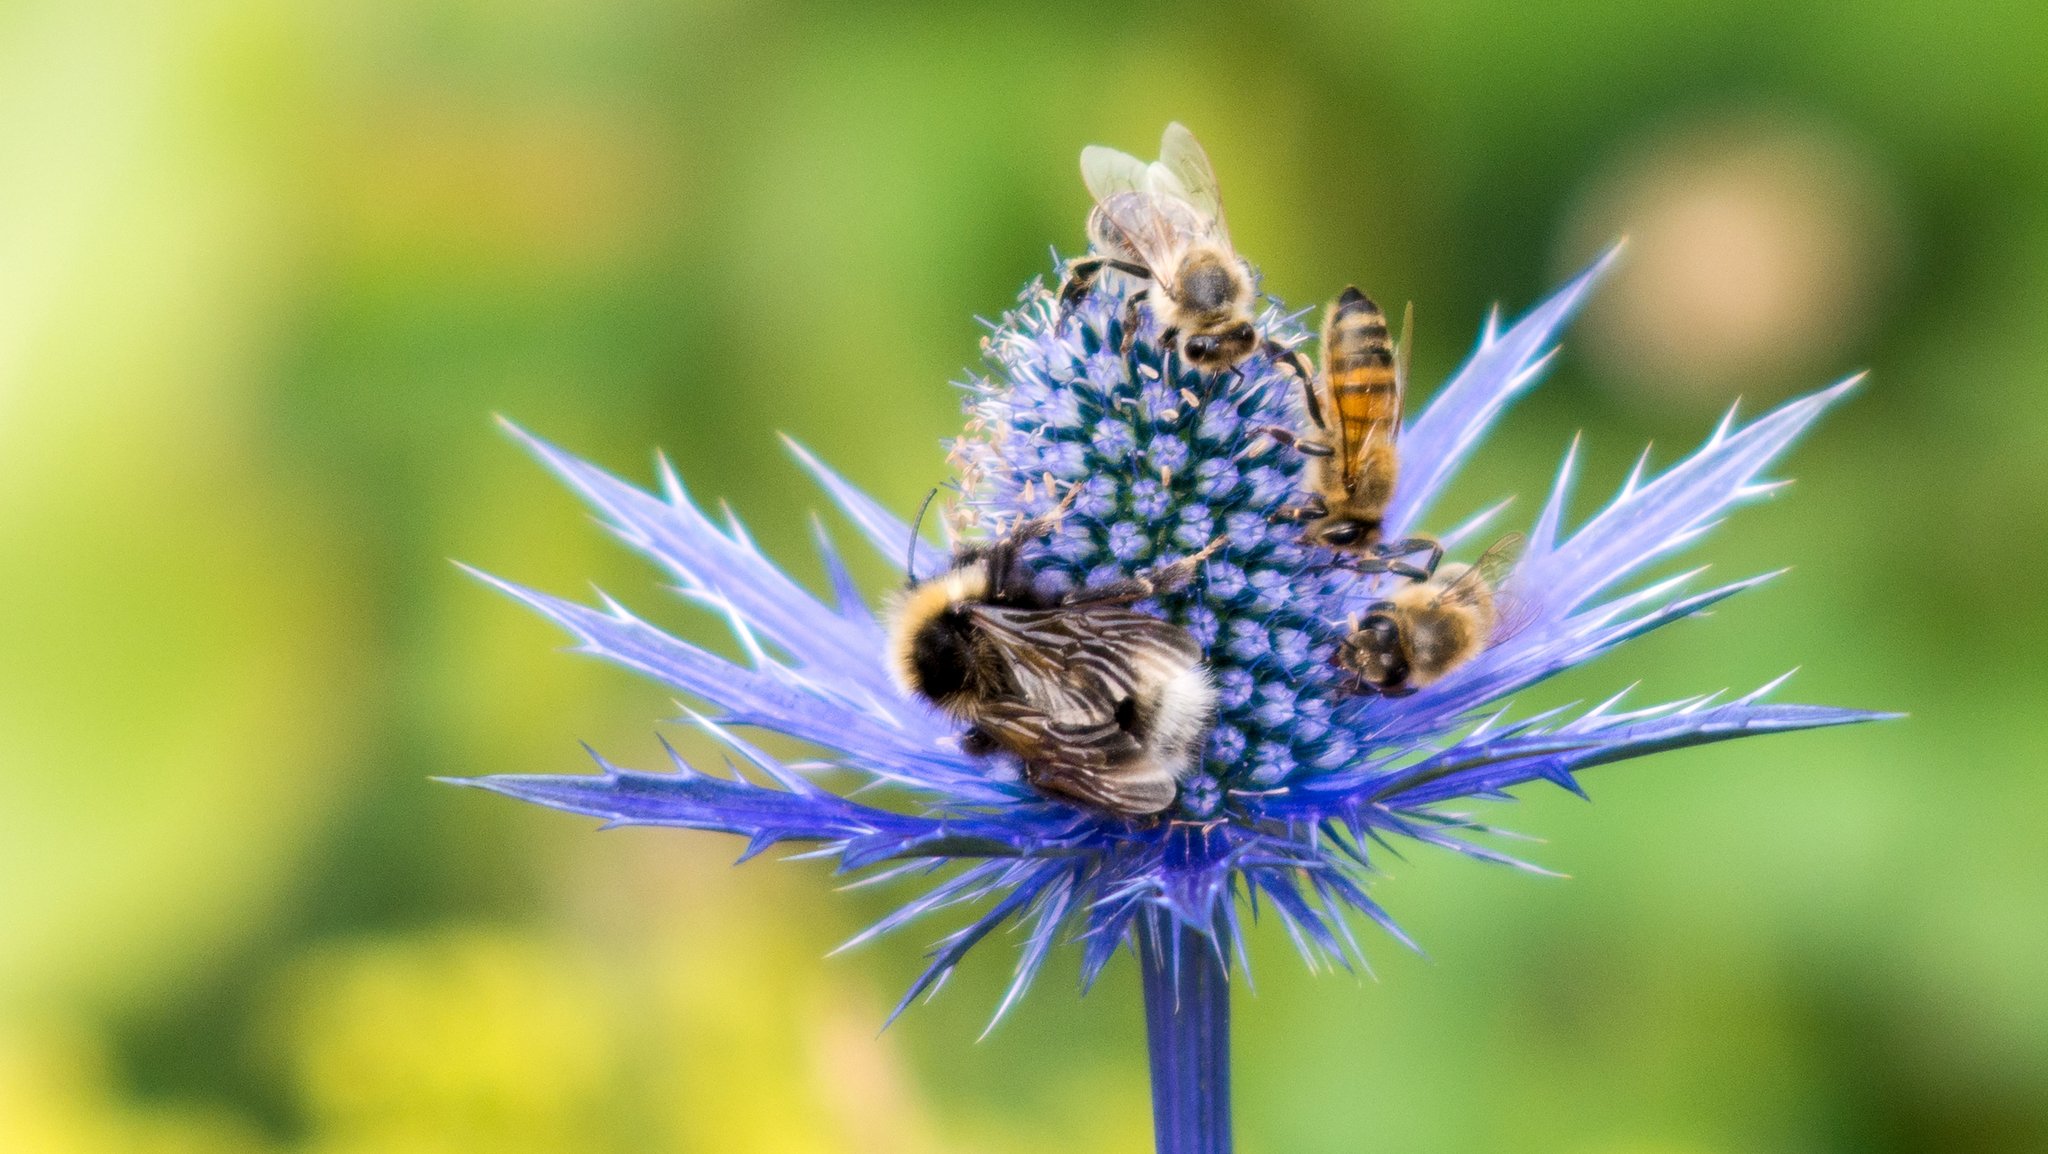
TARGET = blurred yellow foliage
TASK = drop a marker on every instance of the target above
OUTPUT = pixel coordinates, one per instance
(56, 1098)
(463, 1041)
(266, 270)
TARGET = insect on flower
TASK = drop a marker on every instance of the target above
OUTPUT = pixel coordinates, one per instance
(1155, 458)
(1103, 704)
(1354, 404)
(1424, 629)
(1163, 222)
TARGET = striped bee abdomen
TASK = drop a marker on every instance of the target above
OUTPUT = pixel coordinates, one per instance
(1359, 365)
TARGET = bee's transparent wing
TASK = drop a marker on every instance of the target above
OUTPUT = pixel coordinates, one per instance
(1511, 615)
(1498, 561)
(1485, 575)
(1186, 168)
(1401, 346)
(1487, 580)
(1109, 173)
(1135, 216)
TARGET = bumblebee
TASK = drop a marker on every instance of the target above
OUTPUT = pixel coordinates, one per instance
(1106, 707)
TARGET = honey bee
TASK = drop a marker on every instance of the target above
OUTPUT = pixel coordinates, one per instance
(1106, 707)
(1163, 222)
(1425, 629)
(1354, 403)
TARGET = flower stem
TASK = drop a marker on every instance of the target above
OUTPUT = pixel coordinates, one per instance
(1187, 1030)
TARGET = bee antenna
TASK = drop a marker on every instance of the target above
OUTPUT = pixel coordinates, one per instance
(916, 527)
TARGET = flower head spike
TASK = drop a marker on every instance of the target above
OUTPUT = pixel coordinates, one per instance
(1301, 776)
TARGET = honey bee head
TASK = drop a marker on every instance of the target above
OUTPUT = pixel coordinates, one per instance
(1220, 349)
(1373, 651)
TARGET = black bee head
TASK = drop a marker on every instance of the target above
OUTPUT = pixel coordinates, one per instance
(939, 664)
(1373, 652)
(1216, 350)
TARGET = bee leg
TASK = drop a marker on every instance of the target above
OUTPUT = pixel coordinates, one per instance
(1371, 566)
(1298, 513)
(1308, 447)
(1001, 555)
(1081, 275)
(1290, 360)
(1355, 685)
(1032, 528)
(1387, 550)
(1152, 582)
(1118, 592)
(1132, 318)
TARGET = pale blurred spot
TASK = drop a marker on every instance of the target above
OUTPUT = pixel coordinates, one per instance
(735, 1000)
(867, 1091)
(1760, 250)
(57, 1097)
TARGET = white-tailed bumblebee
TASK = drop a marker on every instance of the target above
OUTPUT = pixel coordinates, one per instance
(1106, 707)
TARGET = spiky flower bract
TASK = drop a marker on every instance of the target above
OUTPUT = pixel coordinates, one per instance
(1300, 777)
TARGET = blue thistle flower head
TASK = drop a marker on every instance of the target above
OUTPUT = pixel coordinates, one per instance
(1299, 777)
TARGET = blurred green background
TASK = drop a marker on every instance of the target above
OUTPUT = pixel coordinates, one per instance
(266, 270)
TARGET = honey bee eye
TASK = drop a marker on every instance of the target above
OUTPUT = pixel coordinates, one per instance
(1344, 533)
(1244, 334)
(1200, 348)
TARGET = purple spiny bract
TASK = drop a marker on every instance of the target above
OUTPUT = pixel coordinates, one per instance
(1300, 777)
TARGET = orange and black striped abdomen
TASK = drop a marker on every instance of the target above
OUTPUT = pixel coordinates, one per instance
(1358, 367)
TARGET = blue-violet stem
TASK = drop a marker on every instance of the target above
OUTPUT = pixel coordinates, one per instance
(1187, 1031)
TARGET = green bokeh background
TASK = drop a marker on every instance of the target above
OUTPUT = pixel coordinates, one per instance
(267, 270)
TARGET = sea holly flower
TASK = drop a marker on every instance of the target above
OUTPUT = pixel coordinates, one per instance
(1303, 778)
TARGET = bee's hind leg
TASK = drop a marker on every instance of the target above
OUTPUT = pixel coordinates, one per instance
(1152, 582)
(1372, 565)
(1307, 446)
(1133, 317)
(1288, 359)
(1082, 273)
(1298, 513)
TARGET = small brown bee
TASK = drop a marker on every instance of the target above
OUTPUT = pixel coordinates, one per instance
(1163, 222)
(1425, 629)
(1355, 404)
(1105, 706)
